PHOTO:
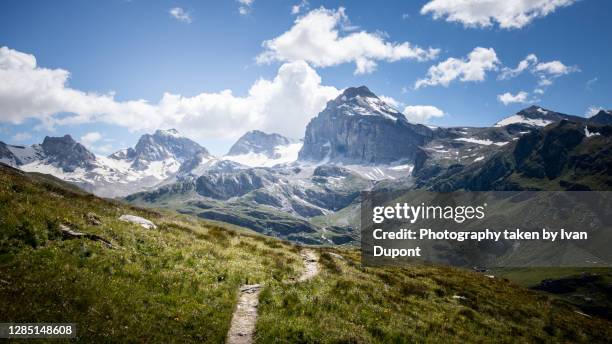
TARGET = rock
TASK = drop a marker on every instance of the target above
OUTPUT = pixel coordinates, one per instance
(250, 288)
(138, 220)
(224, 185)
(66, 153)
(93, 219)
(331, 171)
(583, 314)
(359, 127)
(68, 234)
(335, 255)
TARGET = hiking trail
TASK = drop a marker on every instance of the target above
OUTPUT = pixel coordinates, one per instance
(242, 327)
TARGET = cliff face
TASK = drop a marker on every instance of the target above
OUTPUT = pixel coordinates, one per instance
(67, 153)
(358, 127)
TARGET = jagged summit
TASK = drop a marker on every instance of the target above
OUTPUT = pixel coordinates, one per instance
(257, 141)
(66, 153)
(359, 127)
(360, 101)
(159, 146)
(362, 91)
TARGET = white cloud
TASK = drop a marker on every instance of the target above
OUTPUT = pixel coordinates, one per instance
(303, 5)
(508, 14)
(547, 71)
(245, 6)
(544, 71)
(509, 98)
(180, 14)
(90, 138)
(472, 68)
(508, 73)
(592, 111)
(554, 68)
(284, 104)
(422, 113)
(544, 81)
(391, 101)
(315, 38)
(22, 136)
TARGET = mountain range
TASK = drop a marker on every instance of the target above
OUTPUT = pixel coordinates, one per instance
(308, 190)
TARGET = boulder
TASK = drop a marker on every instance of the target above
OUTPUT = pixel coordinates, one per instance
(138, 220)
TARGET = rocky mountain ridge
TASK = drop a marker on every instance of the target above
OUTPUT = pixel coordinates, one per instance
(268, 181)
(358, 127)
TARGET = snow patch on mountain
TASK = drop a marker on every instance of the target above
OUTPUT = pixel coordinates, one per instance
(282, 155)
(537, 122)
(480, 142)
(369, 106)
(588, 133)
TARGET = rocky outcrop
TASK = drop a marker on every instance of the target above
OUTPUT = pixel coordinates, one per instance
(602, 117)
(66, 153)
(358, 127)
(68, 234)
(7, 157)
(564, 156)
(224, 185)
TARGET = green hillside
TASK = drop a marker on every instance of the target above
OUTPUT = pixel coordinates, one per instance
(180, 282)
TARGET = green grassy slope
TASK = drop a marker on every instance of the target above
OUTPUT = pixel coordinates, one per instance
(175, 284)
(351, 304)
(179, 283)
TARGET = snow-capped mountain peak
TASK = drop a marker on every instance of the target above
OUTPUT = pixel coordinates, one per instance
(256, 148)
(535, 116)
(359, 127)
(155, 158)
(168, 132)
(361, 101)
(256, 141)
(159, 146)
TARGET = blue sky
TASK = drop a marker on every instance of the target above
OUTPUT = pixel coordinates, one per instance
(98, 58)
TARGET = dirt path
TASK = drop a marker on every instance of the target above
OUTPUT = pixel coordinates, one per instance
(242, 327)
(311, 265)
